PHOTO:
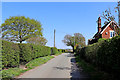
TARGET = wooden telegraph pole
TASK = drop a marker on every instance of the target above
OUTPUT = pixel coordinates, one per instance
(54, 37)
(119, 13)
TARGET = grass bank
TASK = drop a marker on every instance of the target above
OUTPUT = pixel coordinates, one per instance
(13, 72)
(38, 61)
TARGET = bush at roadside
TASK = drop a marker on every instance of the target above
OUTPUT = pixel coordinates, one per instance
(105, 54)
(10, 54)
(14, 54)
(54, 51)
(29, 52)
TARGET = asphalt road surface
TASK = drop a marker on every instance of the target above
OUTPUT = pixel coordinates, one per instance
(62, 66)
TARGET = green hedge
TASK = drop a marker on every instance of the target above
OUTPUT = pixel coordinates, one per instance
(32, 51)
(14, 54)
(61, 50)
(10, 54)
(105, 54)
(26, 53)
(54, 51)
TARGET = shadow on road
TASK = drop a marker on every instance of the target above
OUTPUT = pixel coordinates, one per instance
(77, 73)
(63, 68)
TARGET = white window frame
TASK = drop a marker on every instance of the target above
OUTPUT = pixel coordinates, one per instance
(113, 33)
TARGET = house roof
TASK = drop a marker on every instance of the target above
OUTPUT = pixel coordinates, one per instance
(104, 27)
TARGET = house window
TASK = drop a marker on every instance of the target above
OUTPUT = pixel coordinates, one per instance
(106, 33)
(112, 34)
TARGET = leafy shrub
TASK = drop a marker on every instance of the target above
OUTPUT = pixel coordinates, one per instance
(108, 56)
(101, 39)
(32, 51)
(60, 50)
(26, 53)
(105, 54)
(41, 51)
(54, 50)
(14, 54)
(10, 54)
(63, 50)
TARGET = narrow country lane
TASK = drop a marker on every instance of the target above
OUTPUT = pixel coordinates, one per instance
(62, 66)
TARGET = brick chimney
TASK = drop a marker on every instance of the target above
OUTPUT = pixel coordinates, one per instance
(99, 24)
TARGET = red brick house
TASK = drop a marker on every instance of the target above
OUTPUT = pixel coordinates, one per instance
(107, 31)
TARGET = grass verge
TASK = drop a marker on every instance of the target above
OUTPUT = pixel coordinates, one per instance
(32, 64)
(13, 72)
(94, 73)
(58, 54)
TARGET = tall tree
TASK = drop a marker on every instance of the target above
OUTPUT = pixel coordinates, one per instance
(20, 28)
(109, 15)
(37, 40)
(77, 40)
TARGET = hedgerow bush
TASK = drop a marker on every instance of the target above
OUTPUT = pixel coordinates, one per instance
(10, 54)
(105, 54)
(29, 52)
(63, 50)
(108, 57)
(60, 50)
(26, 53)
(54, 51)
(14, 54)
(41, 51)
